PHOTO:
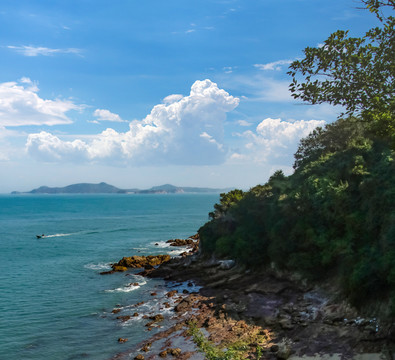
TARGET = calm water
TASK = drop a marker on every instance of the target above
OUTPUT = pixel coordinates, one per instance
(53, 302)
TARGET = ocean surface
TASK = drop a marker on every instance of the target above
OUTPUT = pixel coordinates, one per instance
(54, 304)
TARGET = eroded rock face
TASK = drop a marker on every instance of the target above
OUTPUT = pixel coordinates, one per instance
(140, 262)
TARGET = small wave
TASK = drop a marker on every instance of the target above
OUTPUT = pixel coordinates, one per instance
(177, 252)
(128, 288)
(160, 244)
(123, 289)
(100, 266)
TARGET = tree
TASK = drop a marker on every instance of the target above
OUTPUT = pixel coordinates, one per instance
(227, 200)
(356, 73)
(338, 136)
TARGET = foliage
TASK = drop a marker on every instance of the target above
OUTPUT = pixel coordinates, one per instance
(335, 215)
(226, 201)
(213, 352)
(356, 73)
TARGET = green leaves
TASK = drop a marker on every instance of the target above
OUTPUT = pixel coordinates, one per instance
(356, 73)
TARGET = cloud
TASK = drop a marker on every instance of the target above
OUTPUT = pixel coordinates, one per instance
(172, 98)
(275, 141)
(276, 65)
(20, 105)
(106, 115)
(184, 130)
(260, 87)
(39, 50)
(244, 123)
(228, 69)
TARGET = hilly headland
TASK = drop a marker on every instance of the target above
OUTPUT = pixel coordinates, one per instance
(104, 188)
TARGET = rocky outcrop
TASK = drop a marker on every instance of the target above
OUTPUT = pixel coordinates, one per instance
(134, 262)
(180, 242)
(140, 262)
(192, 242)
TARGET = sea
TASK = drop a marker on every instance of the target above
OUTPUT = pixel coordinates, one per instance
(54, 304)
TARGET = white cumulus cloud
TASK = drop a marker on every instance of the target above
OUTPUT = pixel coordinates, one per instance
(183, 130)
(274, 141)
(106, 115)
(21, 105)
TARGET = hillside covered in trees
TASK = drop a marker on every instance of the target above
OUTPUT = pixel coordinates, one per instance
(334, 217)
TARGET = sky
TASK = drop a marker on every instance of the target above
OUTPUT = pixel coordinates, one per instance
(143, 93)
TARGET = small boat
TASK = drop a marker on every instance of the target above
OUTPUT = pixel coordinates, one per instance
(40, 236)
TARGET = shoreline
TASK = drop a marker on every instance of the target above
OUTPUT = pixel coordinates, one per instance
(264, 314)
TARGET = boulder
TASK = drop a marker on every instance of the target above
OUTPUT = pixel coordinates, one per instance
(122, 340)
(226, 264)
(175, 352)
(182, 306)
(157, 318)
(171, 293)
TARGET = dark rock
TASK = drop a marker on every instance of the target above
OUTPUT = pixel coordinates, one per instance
(107, 272)
(171, 293)
(139, 357)
(180, 242)
(124, 318)
(146, 347)
(274, 348)
(157, 318)
(141, 261)
(122, 340)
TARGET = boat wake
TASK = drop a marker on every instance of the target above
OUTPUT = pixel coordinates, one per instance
(56, 235)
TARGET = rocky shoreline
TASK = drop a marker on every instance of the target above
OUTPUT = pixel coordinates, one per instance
(263, 314)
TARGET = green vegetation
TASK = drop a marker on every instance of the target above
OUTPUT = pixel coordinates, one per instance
(236, 350)
(335, 216)
(210, 350)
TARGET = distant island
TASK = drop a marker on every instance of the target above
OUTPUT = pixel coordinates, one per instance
(104, 188)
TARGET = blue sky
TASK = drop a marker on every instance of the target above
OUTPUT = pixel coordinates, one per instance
(141, 93)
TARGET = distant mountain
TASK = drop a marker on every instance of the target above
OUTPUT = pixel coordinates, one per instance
(83, 188)
(103, 188)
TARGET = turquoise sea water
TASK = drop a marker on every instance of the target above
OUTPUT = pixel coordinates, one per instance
(53, 302)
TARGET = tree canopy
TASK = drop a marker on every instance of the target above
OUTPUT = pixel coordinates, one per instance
(356, 73)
